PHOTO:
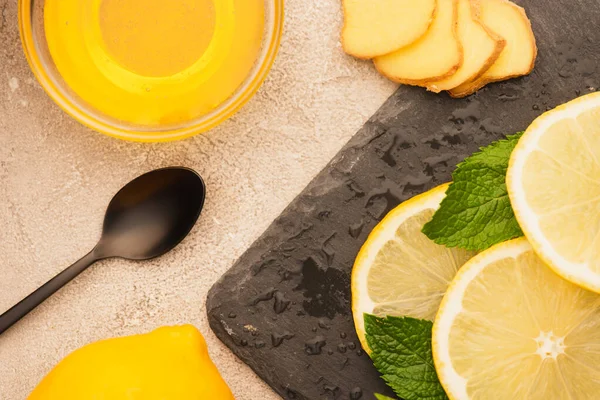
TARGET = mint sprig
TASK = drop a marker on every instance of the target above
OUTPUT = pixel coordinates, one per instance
(476, 212)
(401, 352)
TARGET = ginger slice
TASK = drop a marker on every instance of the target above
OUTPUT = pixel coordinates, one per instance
(376, 27)
(481, 47)
(436, 55)
(518, 56)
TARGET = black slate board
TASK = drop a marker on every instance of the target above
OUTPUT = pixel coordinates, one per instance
(284, 308)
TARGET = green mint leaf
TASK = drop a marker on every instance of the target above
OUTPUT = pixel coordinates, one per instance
(382, 397)
(476, 212)
(401, 352)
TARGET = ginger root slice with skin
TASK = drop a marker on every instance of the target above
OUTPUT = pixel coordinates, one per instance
(377, 27)
(481, 47)
(518, 56)
(436, 55)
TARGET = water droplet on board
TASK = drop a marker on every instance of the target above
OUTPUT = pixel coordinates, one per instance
(535, 107)
(314, 346)
(508, 97)
(327, 250)
(288, 247)
(314, 329)
(438, 161)
(323, 215)
(278, 338)
(382, 201)
(343, 335)
(400, 141)
(341, 348)
(323, 324)
(243, 342)
(359, 352)
(415, 183)
(591, 84)
(331, 389)
(433, 143)
(352, 345)
(259, 344)
(358, 192)
(306, 226)
(387, 156)
(565, 71)
(355, 229)
(345, 363)
(330, 352)
(232, 315)
(469, 113)
(260, 267)
(281, 302)
(264, 296)
(453, 138)
(356, 393)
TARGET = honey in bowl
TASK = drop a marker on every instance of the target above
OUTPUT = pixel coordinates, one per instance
(154, 62)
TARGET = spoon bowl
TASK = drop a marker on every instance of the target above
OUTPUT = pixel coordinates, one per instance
(152, 214)
(147, 218)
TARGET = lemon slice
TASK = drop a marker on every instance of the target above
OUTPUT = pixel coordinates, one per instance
(510, 328)
(553, 182)
(399, 271)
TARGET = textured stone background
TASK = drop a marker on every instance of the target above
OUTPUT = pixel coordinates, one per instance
(56, 178)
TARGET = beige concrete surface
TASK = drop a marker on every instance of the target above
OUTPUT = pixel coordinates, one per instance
(56, 178)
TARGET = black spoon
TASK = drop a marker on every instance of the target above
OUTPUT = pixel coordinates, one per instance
(145, 219)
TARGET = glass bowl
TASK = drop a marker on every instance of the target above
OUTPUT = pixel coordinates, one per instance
(31, 25)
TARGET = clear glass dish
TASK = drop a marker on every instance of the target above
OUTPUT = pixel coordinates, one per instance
(31, 24)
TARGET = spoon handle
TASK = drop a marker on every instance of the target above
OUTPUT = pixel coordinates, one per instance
(22, 308)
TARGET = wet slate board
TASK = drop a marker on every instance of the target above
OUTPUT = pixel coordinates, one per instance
(284, 308)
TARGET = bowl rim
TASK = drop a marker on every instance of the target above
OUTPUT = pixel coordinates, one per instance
(238, 99)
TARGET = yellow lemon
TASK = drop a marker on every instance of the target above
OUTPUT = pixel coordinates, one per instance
(510, 328)
(401, 272)
(553, 181)
(171, 363)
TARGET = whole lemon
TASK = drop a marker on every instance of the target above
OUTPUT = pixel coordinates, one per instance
(170, 363)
